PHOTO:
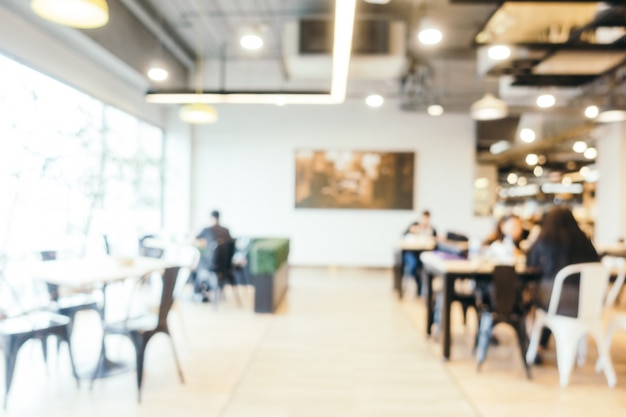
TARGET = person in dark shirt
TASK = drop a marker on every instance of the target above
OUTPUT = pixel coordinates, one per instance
(206, 241)
(561, 242)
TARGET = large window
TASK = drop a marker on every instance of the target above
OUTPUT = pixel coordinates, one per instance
(71, 167)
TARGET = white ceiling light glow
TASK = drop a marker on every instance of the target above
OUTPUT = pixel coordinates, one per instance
(590, 153)
(499, 147)
(157, 73)
(489, 108)
(83, 14)
(435, 110)
(611, 116)
(198, 113)
(532, 159)
(546, 101)
(342, 47)
(538, 171)
(251, 42)
(374, 100)
(579, 146)
(512, 178)
(499, 52)
(591, 112)
(527, 135)
(429, 33)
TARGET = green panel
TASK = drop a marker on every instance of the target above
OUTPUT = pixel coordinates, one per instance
(267, 255)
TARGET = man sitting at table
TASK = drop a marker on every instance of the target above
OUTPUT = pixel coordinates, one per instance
(416, 230)
(206, 240)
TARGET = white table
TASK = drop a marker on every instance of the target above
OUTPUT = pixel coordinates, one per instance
(89, 273)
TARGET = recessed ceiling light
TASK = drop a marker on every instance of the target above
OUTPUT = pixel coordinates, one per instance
(579, 146)
(527, 135)
(157, 73)
(499, 52)
(538, 171)
(435, 110)
(429, 33)
(522, 181)
(252, 42)
(591, 112)
(532, 159)
(590, 153)
(584, 171)
(374, 100)
(511, 178)
(546, 100)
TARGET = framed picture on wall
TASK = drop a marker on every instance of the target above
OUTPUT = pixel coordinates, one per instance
(350, 179)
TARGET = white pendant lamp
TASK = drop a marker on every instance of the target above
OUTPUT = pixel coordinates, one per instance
(83, 14)
(489, 108)
(198, 113)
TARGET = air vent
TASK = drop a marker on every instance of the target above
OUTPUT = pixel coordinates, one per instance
(371, 37)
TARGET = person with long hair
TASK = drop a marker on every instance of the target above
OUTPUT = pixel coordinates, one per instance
(561, 242)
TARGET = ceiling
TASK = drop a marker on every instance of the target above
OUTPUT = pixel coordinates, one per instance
(575, 50)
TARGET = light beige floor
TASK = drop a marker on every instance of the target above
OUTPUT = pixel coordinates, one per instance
(342, 345)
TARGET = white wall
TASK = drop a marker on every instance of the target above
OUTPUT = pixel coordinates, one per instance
(611, 187)
(244, 166)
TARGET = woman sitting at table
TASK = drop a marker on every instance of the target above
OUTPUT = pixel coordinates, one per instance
(417, 230)
(561, 242)
(504, 242)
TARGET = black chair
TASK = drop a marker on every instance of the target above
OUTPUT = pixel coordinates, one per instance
(141, 329)
(223, 271)
(505, 305)
(68, 305)
(22, 326)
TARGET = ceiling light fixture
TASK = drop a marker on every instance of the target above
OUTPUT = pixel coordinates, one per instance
(83, 14)
(499, 52)
(489, 108)
(157, 72)
(429, 32)
(342, 46)
(579, 146)
(538, 171)
(251, 41)
(435, 110)
(374, 100)
(546, 101)
(527, 135)
(611, 115)
(532, 159)
(512, 178)
(198, 113)
(590, 153)
(592, 112)
(499, 147)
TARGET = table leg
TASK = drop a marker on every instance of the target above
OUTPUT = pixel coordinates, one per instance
(105, 367)
(428, 299)
(398, 273)
(448, 290)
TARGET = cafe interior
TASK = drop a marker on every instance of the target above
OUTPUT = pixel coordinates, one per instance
(319, 130)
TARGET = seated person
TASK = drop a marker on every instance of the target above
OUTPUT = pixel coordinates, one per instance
(206, 240)
(504, 242)
(420, 229)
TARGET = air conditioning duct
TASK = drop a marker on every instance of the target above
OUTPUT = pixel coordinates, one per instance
(379, 49)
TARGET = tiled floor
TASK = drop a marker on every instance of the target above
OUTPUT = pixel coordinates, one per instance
(342, 345)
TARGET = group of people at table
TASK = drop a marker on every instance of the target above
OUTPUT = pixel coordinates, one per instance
(549, 245)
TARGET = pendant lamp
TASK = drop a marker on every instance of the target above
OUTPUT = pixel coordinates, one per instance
(489, 108)
(83, 14)
(198, 113)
